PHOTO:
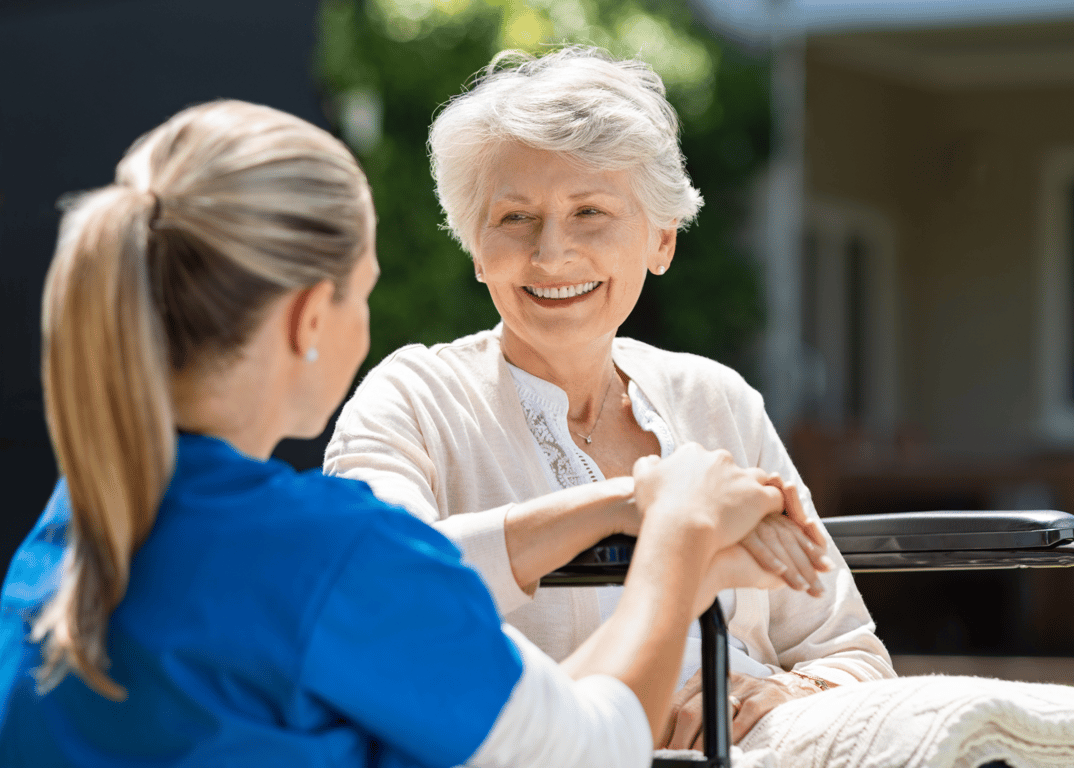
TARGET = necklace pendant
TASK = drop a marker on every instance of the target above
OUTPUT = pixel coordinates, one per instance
(588, 440)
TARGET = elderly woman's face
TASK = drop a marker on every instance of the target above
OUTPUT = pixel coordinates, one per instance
(564, 249)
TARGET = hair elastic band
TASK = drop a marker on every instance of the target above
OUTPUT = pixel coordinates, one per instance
(154, 214)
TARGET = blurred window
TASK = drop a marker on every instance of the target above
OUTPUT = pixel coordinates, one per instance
(1056, 292)
(848, 315)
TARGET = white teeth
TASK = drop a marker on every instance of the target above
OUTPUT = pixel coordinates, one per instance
(566, 292)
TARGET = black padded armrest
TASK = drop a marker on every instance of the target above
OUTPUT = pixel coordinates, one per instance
(604, 563)
(920, 531)
(910, 541)
(915, 541)
(954, 540)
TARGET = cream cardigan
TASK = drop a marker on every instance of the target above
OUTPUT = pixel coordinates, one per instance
(440, 431)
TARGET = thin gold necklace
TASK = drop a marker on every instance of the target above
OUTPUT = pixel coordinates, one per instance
(589, 439)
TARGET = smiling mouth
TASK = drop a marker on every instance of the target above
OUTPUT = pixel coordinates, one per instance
(565, 292)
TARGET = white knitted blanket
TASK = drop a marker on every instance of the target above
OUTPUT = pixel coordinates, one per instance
(917, 722)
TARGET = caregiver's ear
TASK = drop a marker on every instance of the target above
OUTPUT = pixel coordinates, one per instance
(306, 315)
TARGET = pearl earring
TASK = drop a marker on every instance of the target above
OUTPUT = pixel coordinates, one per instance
(480, 277)
(312, 355)
(661, 269)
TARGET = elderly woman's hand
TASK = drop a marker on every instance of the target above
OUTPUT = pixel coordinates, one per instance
(754, 697)
(781, 547)
(751, 699)
(791, 545)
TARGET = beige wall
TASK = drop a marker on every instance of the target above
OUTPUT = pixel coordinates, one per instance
(957, 174)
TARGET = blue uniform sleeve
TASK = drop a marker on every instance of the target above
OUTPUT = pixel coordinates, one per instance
(408, 645)
(32, 577)
(35, 571)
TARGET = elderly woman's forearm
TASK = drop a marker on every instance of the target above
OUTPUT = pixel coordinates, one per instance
(547, 532)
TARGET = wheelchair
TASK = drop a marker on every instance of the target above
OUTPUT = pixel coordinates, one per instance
(910, 541)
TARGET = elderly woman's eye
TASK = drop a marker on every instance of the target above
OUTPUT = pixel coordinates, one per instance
(513, 217)
(590, 211)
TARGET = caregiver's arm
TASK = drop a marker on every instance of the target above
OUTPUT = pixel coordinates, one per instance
(607, 716)
(697, 505)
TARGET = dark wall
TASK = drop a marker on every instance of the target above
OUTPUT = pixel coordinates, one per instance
(79, 81)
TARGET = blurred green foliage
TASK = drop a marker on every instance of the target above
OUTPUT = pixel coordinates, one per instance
(386, 65)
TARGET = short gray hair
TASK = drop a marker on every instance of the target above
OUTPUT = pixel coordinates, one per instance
(607, 114)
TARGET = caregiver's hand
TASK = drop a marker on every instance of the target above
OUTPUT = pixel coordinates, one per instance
(707, 488)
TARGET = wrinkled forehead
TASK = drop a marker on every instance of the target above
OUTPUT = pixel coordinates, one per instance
(513, 171)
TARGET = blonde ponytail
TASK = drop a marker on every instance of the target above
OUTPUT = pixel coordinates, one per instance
(247, 203)
(106, 381)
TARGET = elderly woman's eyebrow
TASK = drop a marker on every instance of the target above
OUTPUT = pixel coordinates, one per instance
(592, 192)
(510, 197)
(517, 197)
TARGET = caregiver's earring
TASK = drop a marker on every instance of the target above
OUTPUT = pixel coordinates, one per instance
(312, 355)
(661, 269)
(480, 277)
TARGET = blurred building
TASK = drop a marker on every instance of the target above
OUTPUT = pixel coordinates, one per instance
(918, 234)
(919, 229)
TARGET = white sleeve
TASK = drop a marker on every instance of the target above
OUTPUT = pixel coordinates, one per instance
(553, 720)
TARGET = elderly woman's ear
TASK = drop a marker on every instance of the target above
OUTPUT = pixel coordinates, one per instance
(661, 256)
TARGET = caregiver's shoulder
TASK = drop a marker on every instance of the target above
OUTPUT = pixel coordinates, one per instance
(352, 503)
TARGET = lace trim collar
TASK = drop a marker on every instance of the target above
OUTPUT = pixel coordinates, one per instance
(545, 407)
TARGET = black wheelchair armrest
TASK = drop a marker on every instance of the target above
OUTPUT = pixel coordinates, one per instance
(907, 541)
(604, 563)
(954, 540)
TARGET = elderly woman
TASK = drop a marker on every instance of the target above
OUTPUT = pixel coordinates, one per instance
(563, 179)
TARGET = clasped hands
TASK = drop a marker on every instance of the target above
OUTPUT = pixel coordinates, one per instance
(761, 531)
(770, 542)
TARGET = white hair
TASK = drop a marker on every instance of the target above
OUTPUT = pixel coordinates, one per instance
(605, 114)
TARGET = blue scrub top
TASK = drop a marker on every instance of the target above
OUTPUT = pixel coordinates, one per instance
(272, 619)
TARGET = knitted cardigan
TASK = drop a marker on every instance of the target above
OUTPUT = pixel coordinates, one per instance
(440, 431)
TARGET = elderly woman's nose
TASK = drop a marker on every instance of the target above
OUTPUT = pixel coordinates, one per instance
(552, 245)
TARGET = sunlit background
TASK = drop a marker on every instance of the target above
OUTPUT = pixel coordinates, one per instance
(886, 249)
